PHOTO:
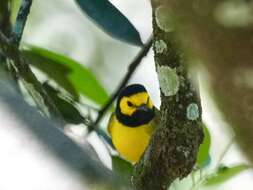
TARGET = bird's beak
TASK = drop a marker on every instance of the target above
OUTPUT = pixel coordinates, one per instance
(144, 108)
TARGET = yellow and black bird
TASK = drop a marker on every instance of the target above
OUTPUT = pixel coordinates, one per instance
(133, 122)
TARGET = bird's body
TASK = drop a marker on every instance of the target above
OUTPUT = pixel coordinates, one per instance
(130, 142)
(133, 123)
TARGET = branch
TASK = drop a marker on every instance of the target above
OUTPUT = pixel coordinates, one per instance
(174, 146)
(125, 80)
(33, 86)
(5, 24)
(19, 26)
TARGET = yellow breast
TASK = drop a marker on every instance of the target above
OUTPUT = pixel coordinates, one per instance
(130, 142)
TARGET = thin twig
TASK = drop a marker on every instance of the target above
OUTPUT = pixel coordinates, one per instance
(193, 178)
(87, 105)
(224, 152)
(174, 186)
(205, 176)
(200, 173)
(125, 80)
(202, 177)
(19, 26)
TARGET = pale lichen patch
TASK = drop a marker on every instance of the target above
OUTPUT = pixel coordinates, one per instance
(182, 81)
(177, 98)
(184, 151)
(163, 19)
(192, 111)
(188, 95)
(160, 46)
(168, 79)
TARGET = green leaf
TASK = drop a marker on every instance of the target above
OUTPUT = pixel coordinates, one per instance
(122, 168)
(207, 162)
(203, 154)
(224, 174)
(111, 20)
(68, 73)
(15, 4)
(68, 111)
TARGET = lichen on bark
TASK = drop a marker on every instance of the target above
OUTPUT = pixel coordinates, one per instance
(174, 146)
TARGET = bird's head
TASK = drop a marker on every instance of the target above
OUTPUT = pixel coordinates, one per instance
(134, 106)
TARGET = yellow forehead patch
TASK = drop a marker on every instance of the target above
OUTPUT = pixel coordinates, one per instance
(137, 99)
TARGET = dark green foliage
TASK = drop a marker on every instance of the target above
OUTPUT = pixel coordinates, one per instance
(122, 168)
(111, 20)
(67, 109)
(57, 72)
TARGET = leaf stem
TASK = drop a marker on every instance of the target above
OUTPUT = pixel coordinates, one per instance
(224, 152)
(193, 179)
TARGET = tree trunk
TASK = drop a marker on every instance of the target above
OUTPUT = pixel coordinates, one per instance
(174, 146)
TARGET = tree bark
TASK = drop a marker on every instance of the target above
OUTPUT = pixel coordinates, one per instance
(174, 146)
(219, 33)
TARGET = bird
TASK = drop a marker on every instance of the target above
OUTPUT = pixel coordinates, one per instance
(133, 122)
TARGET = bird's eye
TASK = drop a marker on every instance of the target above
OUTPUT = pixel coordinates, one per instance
(129, 103)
